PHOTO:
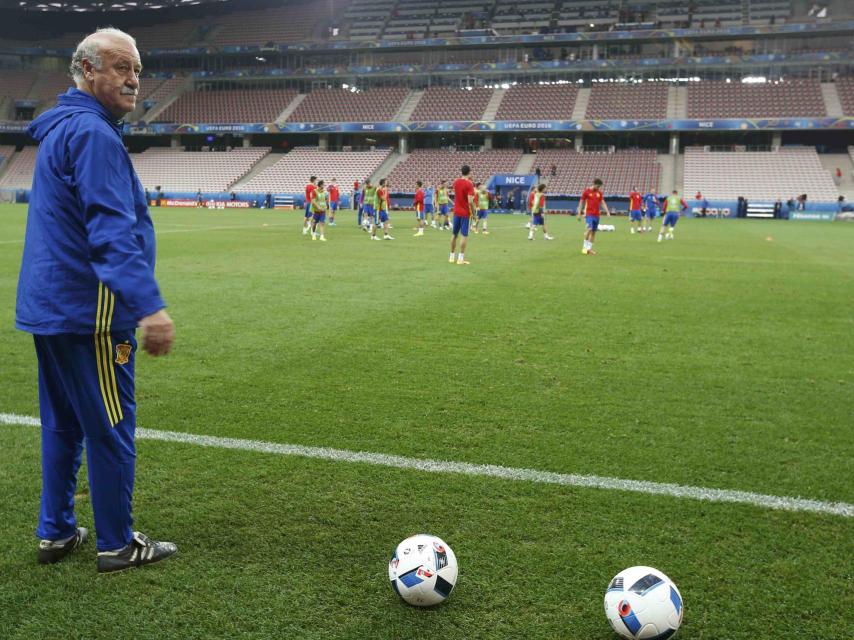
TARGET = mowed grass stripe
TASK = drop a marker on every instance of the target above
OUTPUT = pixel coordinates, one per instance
(784, 503)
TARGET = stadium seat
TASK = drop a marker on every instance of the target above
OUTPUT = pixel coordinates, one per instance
(446, 103)
(791, 99)
(758, 175)
(620, 171)
(179, 170)
(341, 105)
(538, 102)
(290, 174)
(432, 165)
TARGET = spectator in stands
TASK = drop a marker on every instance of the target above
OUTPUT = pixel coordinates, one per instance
(88, 271)
(553, 171)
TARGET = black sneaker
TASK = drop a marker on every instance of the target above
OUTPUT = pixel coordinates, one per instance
(141, 550)
(51, 551)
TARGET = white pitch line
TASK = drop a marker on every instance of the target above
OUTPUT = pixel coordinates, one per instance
(784, 503)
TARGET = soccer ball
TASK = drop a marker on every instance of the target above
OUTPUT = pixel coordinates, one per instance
(642, 602)
(423, 570)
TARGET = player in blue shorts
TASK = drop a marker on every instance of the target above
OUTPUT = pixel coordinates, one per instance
(481, 197)
(635, 212)
(591, 201)
(673, 206)
(538, 211)
(428, 207)
(650, 210)
(444, 204)
(319, 207)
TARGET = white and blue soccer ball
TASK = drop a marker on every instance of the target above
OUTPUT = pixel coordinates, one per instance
(643, 603)
(423, 570)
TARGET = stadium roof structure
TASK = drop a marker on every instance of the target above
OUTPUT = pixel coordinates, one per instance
(84, 6)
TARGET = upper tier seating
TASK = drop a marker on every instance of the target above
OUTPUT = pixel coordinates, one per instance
(341, 105)
(178, 170)
(758, 176)
(16, 84)
(291, 173)
(432, 165)
(620, 171)
(256, 105)
(445, 103)
(792, 99)
(538, 102)
(612, 101)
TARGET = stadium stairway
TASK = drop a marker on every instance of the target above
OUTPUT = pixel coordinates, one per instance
(289, 109)
(264, 163)
(832, 161)
(494, 104)
(831, 100)
(677, 102)
(408, 107)
(526, 164)
(672, 172)
(388, 165)
(581, 102)
(161, 106)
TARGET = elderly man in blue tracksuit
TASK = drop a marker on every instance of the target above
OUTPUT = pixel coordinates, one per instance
(86, 283)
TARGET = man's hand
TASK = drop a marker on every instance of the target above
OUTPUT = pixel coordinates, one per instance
(158, 333)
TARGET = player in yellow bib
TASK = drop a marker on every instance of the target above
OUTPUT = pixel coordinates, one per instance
(538, 210)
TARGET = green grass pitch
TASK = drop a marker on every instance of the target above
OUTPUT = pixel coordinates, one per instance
(722, 359)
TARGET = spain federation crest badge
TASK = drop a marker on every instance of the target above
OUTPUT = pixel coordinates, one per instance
(123, 353)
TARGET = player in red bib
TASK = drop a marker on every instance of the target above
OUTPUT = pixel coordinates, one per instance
(334, 197)
(309, 195)
(463, 208)
(635, 211)
(419, 207)
(591, 200)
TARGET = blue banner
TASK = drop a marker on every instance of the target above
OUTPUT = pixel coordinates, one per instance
(504, 180)
(556, 126)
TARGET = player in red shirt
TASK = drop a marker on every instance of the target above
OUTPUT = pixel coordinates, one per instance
(354, 201)
(635, 211)
(591, 200)
(309, 195)
(419, 207)
(334, 198)
(463, 208)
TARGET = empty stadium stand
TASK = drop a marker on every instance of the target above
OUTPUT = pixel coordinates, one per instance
(6, 152)
(294, 21)
(290, 174)
(545, 102)
(179, 170)
(792, 99)
(613, 100)
(620, 171)
(432, 165)
(256, 105)
(845, 90)
(445, 103)
(759, 175)
(19, 174)
(342, 105)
